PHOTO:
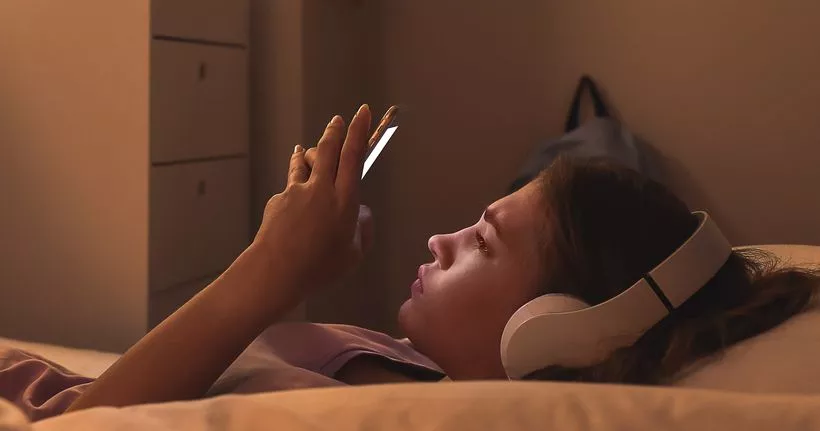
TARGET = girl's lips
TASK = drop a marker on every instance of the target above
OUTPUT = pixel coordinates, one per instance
(418, 286)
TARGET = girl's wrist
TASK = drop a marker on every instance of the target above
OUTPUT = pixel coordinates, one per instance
(259, 284)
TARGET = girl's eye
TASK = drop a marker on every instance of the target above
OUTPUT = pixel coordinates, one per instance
(481, 243)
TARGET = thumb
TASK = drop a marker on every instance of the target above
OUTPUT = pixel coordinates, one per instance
(365, 228)
(298, 171)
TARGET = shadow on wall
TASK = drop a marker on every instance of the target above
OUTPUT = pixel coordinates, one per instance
(677, 177)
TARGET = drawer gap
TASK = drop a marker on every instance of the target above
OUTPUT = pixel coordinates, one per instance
(200, 41)
(200, 160)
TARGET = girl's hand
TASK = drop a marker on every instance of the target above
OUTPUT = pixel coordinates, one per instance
(306, 240)
(309, 231)
(365, 231)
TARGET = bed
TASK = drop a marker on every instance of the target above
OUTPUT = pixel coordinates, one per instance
(90, 363)
(769, 382)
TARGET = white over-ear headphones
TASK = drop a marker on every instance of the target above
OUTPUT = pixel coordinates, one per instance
(558, 329)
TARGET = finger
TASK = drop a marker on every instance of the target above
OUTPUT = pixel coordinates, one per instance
(351, 160)
(327, 154)
(310, 157)
(298, 171)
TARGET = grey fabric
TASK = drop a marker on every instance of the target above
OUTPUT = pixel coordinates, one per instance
(602, 136)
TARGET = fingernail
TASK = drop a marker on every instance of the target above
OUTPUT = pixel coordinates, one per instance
(335, 121)
(362, 109)
(298, 149)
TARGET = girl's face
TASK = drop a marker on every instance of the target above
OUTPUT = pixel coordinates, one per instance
(479, 277)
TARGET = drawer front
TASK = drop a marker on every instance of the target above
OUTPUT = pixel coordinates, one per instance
(210, 20)
(199, 101)
(199, 219)
(162, 304)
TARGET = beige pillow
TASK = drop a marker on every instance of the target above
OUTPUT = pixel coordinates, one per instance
(781, 360)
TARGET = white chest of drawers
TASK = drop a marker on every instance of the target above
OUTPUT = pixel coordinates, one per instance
(126, 173)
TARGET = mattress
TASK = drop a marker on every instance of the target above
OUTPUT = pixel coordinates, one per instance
(89, 363)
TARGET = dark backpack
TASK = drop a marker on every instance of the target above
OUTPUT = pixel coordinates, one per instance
(602, 136)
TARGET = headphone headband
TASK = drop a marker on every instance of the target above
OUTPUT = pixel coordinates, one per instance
(556, 329)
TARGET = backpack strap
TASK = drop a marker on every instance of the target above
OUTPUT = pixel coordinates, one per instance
(573, 118)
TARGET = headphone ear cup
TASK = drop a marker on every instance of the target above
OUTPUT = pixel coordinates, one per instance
(559, 303)
(519, 343)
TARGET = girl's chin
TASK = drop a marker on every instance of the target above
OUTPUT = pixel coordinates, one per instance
(406, 316)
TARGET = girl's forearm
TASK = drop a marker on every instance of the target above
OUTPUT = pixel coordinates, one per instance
(182, 357)
(309, 225)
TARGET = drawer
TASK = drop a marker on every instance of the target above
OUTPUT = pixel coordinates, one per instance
(210, 20)
(162, 304)
(199, 220)
(199, 101)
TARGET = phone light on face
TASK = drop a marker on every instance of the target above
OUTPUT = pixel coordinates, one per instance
(377, 149)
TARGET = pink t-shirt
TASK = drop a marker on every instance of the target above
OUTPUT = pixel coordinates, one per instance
(285, 356)
(308, 355)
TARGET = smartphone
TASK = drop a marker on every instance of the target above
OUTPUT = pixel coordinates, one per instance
(384, 131)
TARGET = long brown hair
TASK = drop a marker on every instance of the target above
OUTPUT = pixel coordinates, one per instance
(610, 226)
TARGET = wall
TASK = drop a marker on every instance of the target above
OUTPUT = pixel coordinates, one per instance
(473, 79)
(723, 91)
(343, 69)
(276, 65)
(726, 91)
(277, 85)
(73, 130)
(312, 59)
